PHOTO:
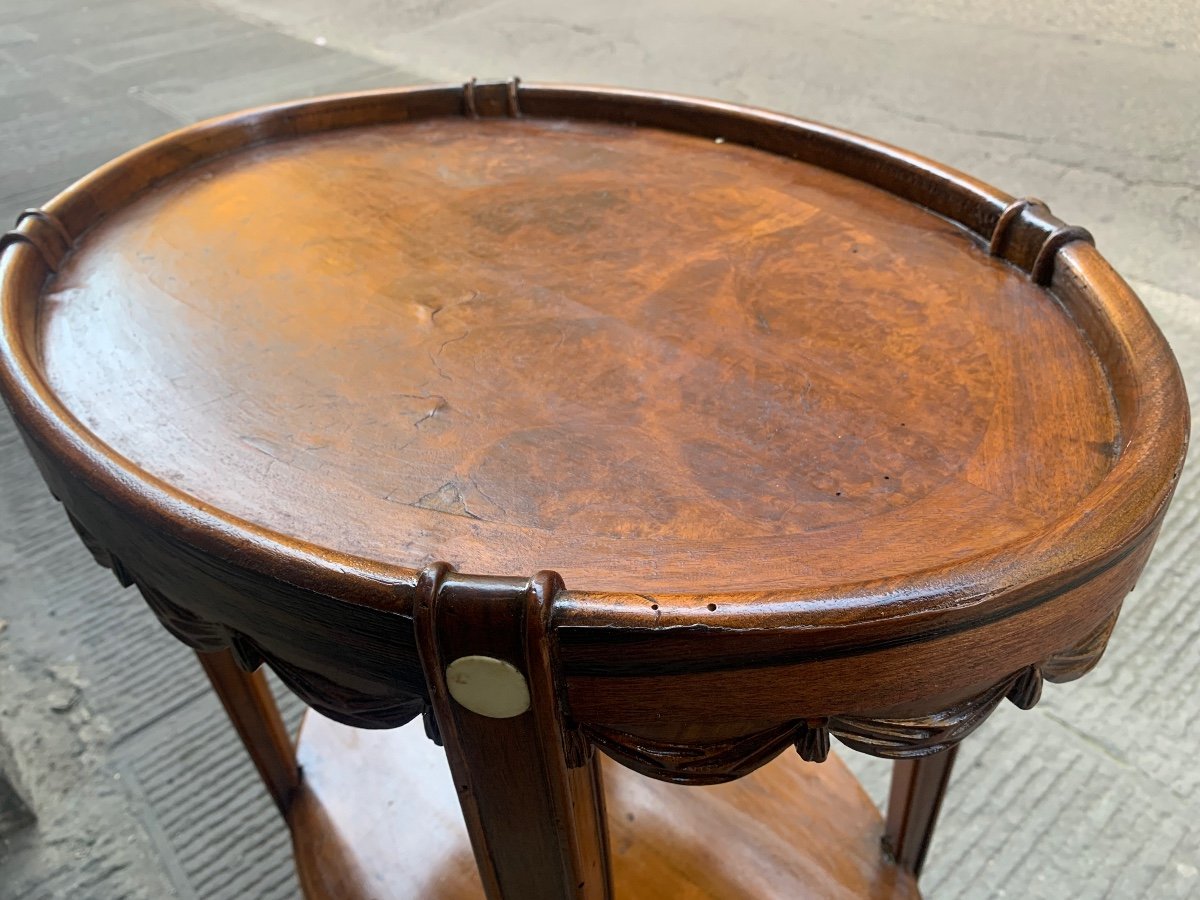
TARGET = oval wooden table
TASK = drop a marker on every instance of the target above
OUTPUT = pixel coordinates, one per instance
(750, 431)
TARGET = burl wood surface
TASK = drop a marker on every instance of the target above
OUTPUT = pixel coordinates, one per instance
(823, 437)
(645, 360)
(388, 827)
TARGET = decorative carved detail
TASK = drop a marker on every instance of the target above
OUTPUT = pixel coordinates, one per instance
(1026, 690)
(344, 704)
(202, 636)
(919, 736)
(890, 738)
(245, 653)
(812, 740)
(1007, 217)
(100, 553)
(338, 702)
(577, 749)
(912, 736)
(1082, 658)
(53, 251)
(1057, 236)
(1043, 265)
(670, 760)
(121, 573)
(492, 98)
(707, 763)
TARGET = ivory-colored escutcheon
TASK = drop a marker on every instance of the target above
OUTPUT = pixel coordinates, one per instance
(488, 686)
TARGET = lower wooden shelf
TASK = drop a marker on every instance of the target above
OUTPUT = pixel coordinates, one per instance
(377, 819)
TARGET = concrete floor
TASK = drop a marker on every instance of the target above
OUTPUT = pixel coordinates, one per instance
(1093, 106)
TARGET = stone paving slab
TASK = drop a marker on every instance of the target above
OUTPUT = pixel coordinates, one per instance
(227, 841)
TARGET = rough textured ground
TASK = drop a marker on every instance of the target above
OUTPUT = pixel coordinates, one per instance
(140, 786)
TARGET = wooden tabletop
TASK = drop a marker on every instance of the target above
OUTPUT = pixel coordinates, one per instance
(649, 361)
(766, 395)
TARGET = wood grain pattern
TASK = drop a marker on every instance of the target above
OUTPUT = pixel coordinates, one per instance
(825, 438)
(216, 564)
(362, 362)
(389, 812)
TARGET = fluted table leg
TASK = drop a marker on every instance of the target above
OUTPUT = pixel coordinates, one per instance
(918, 786)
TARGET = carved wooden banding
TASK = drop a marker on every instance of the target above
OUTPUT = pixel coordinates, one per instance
(902, 737)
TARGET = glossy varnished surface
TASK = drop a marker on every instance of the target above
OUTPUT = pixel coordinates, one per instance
(853, 474)
(293, 355)
(647, 360)
(387, 825)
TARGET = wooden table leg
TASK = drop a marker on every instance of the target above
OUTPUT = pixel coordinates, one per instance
(532, 798)
(251, 708)
(918, 786)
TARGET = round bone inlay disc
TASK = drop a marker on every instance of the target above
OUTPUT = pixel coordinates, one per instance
(488, 686)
